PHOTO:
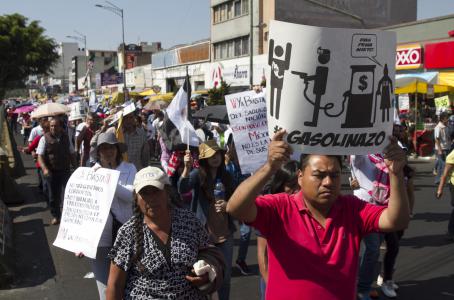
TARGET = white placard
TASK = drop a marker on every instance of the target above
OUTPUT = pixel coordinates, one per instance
(404, 102)
(330, 88)
(247, 116)
(88, 197)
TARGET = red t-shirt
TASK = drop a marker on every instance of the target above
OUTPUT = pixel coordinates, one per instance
(306, 261)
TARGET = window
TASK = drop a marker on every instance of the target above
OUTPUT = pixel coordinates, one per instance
(230, 10)
(216, 15)
(237, 8)
(245, 8)
(245, 45)
(231, 48)
(223, 12)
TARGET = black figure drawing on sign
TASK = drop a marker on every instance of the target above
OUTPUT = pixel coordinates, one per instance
(385, 91)
(278, 66)
(320, 79)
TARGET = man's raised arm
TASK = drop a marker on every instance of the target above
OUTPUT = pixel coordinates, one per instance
(242, 203)
(397, 215)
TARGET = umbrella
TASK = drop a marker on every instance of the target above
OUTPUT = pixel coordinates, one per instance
(24, 109)
(159, 104)
(50, 109)
(214, 113)
(22, 104)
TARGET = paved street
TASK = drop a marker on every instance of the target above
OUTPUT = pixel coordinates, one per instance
(424, 267)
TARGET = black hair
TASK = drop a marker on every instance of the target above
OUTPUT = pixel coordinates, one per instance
(118, 158)
(287, 175)
(304, 160)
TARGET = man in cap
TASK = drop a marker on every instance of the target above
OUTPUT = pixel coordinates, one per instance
(314, 236)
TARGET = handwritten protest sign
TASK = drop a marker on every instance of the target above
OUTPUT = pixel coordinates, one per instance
(88, 197)
(247, 116)
(442, 104)
(330, 88)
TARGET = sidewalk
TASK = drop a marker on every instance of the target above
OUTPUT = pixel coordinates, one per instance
(42, 270)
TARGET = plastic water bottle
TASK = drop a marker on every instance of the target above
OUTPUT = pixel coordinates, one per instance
(219, 190)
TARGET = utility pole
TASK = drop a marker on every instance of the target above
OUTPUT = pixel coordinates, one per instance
(251, 45)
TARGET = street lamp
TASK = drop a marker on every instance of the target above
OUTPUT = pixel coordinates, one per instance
(81, 38)
(119, 12)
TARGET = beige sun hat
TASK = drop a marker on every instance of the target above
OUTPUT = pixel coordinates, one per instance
(150, 176)
(208, 148)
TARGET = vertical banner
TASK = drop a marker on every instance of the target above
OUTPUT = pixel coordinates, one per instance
(331, 89)
(88, 197)
(247, 116)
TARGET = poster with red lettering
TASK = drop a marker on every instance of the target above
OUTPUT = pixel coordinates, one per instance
(332, 89)
(247, 116)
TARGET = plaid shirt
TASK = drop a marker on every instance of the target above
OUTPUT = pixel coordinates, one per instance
(138, 149)
(175, 160)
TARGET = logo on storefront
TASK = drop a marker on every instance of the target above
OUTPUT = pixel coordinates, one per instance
(216, 75)
(409, 57)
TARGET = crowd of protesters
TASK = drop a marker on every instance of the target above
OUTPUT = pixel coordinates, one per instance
(169, 237)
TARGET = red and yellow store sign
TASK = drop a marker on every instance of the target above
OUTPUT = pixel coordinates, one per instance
(409, 56)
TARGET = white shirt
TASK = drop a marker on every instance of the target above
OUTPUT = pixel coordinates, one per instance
(122, 202)
(36, 131)
(42, 146)
(365, 171)
(441, 132)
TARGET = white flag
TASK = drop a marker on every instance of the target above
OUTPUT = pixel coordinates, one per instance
(178, 114)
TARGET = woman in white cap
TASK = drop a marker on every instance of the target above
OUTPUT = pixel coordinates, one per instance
(157, 249)
(109, 153)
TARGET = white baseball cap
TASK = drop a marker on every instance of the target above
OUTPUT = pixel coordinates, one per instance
(150, 176)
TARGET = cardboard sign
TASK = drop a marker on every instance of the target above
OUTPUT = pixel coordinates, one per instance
(442, 104)
(331, 89)
(247, 116)
(88, 197)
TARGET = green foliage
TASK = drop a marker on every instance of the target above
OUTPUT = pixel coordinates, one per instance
(216, 94)
(24, 51)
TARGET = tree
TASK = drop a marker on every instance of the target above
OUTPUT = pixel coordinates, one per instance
(24, 51)
(216, 94)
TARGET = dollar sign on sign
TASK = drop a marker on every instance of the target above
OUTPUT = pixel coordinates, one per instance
(362, 83)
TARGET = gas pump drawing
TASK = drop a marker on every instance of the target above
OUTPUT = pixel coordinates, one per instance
(279, 65)
(320, 79)
(385, 91)
(360, 97)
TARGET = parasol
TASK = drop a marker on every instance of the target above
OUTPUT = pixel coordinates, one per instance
(50, 109)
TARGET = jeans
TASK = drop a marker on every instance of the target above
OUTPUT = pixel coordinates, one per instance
(100, 268)
(227, 250)
(368, 262)
(392, 249)
(440, 165)
(262, 288)
(245, 236)
(56, 183)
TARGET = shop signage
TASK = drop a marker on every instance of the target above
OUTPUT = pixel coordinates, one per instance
(106, 78)
(439, 55)
(409, 57)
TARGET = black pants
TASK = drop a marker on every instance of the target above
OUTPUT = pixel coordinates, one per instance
(56, 183)
(392, 249)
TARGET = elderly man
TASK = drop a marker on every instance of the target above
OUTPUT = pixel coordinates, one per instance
(314, 236)
(55, 153)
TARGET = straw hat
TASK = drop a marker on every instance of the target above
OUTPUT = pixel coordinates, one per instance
(208, 148)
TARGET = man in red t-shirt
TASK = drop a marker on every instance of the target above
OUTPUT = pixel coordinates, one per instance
(314, 236)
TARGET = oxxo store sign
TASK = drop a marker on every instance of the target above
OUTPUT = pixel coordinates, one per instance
(409, 57)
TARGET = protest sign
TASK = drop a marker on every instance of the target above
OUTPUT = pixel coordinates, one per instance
(442, 104)
(331, 88)
(404, 102)
(247, 116)
(88, 197)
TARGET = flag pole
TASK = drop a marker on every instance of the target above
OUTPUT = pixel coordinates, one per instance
(188, 92)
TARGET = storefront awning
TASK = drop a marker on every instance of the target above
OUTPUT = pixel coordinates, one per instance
(418, 82)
